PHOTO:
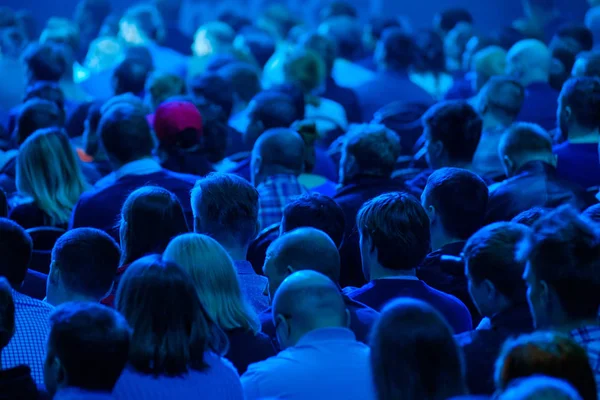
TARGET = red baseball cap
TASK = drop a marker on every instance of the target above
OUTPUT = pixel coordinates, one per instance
(172, 118)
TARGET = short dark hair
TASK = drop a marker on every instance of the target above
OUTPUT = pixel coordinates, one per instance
(530, 217)
(295, 93)
(227, 205)
(592, 63)
(460, 197)
(7, 313)
(274, 110)
(165, 342)
(45, 62)
(503, 94)
(152, 217)
(448, 19)
(400, 49)
(429, 52)
(87, 259)
(374, 147)
(316, 211)
(213, 89)
(457, 125)
(491, 254)
(525, 138)
(260, 45)
(130, 76)
(582, 95)
(578, 32)
(564, 251)
(398, 227)
(125, 133)
(593, 212)
(378, 25)
(37, 114)
(92, 343)
(244, 79)
(16, 248)
(46, 90)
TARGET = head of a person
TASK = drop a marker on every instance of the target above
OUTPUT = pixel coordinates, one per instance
(37, 114)
(211, 89)
(592, 21)
(540, 388)
(90, 14)
(151, 216)
(394, 235)
(306, 301)
(404, 344)
(62, 31)
(447, 20)
(104, 52)
(213, 38)
(500, 101)
(141, 24)
(369, 150)
(44, 62)
(277, 151)
(346, 32)
(87, 349)
(549, 354)
(374, 29)
(306, 69)
(456, 45)
(7, 313)
(160, 86)
(529, 61)
(522, 143)
(456, 202)
(573, 37)
(17, 247)
(486, 64)
(578, 107)
(430, 56)
(45, 90)
(244, 79)
(165, 342)
(562, 269)
(322, 45)
(269, 110)
(593, 213)
(12, 42)
(48, 171)
(587, 64)
(493, 270)
(316, 211)
(256, 43)
(178, 124)
(395, 50)
(125, 133)
(338, 9)
(214, 276)
(84, 264)
(452, 130)
(530, 217)
(169, 9)
(130, 76)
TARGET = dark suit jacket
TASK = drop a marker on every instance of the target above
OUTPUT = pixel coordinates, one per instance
(351, 197)
(536, 184)
(246, 348)
(540, 105)
(345, 97)
(388, 87)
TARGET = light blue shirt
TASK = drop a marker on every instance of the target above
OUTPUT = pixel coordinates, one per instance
(325, 364)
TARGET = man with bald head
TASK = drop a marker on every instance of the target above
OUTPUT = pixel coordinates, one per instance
(321, 357)
(310, 249)
(529, 61)
(277, 161)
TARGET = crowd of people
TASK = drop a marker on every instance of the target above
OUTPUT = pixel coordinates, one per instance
(273, 208)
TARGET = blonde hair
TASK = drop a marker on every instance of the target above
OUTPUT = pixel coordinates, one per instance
(48, 171)
(215, 278)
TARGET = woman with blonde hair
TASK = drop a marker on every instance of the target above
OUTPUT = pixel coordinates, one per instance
(49, 179)
(215, 279)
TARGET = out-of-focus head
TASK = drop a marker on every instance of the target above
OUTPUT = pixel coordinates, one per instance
(540, 388)
(213, 38)
(61, 31)
(212, 89)
(573, 37)
(492, 268)
(17, 247)
(37, 114)
(447, 20)
(130, 76)
(141, 24)
(169, 9)
(578, 107)
(592, 21)
(522, 143)
(587, 64)
(46, 90)
(322, 45)
(244, 79)
(529, 61)
(486, 64)
(277, 151)
(338, 9)
(369, 149)
(269, 110)
(306, 301)
(562, 268)
(593, 213)
(455, 44)
(104, 53)
(12, 42)
(178, 124)
(375, 28)
(235, 19)
(44, 62)
(90, 14)
(430, 55)
(548, 354)
(403, 341)
(501, 99)
(452, 130)
(256, 43)
(306, 69)
(395, 50)
(475, 45)
(160, 86)
(346, 32)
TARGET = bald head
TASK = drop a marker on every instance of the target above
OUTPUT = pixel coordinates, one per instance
(306, 301)
(529, 61)
(278, 151)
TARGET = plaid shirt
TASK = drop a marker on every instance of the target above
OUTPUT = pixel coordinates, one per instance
(32, 328)
(588, 337)
(274, 194)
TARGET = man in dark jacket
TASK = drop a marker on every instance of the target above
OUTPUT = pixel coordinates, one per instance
(526, 153)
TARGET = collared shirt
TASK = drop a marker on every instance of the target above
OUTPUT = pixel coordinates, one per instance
(253, 285)
(32, 328)
(72, 393)
(325, 364)
(274, 194)
(588, 337)
(139, 167)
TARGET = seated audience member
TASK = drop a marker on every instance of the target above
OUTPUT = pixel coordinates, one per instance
(178, 127)
(321, 357)
(310, 249)
(84, 265)
(128, 141)
(130, 77)
(49, 180)
(214, 277)
(173, 38)
(562, 278)
(529, 61)
(394, 241)
(88, 348)
(499, 104)
(540, 388)
(587, 64)
(531, 216)
(226, 209)
(486, 64)
(452, 130)
(579, 124)
(176, 349)
(160, 86)
(402, 362)
(277, 161)
(211, 39)
(244, 79)
(372, 32)
(447, 20)
(563, 62)
(429, 69)
(89, 16)
(15, 382)
(573, 37)
(325, 47)
(526, 153)
(28, 345)
(92, 151)
(548, 354)
(44, 62)
(495, 285)
(455, 201)
(369, 154)
(394, 56)
(258, 45)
